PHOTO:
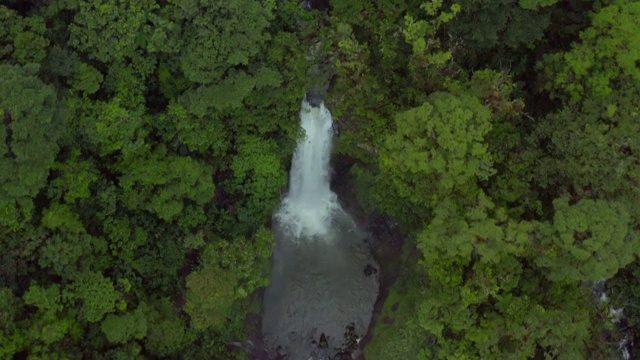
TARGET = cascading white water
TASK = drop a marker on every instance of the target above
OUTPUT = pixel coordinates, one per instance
(317, 289)
(310, 203)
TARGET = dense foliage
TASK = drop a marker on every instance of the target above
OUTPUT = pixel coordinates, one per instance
(145, 143)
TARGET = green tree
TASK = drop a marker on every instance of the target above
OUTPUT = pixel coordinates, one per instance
(204, 135)
(63, 252)
(49, 324)
(167, 331)
(156, 265)
(488, 24)
(222, 35)
(109, 127)
(87, 79)
(12, 334)
(34, 122)
(211, 292)
(387, 57)
(590, 147)
(478, 304)
(121, 328)
(258, 177)
(165, 184)
(587, 241)
(604, 59)
(110, 30)
(95, 295)
(508, 140)
(437, 151)
(229, 270)
(75, 178)
(24, 39)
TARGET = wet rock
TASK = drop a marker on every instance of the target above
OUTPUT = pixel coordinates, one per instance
(323, 344)
(336, 129)
(320, 76)
(344, 356)
(315, 97)
(321, 5)
(351, 339)
(370, 270)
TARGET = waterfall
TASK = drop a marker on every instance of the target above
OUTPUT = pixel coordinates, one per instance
(319, 291)
(310, 204)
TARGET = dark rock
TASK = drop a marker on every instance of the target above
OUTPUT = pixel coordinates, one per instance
(320, 76)
(394, 307)
(323, 344)
(336, 132)
(321, 5)
(370, 270)
(314, 98)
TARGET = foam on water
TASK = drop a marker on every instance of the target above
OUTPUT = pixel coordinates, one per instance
(310, 204)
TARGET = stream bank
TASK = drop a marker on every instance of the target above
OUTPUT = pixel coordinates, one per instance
(397, 298)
